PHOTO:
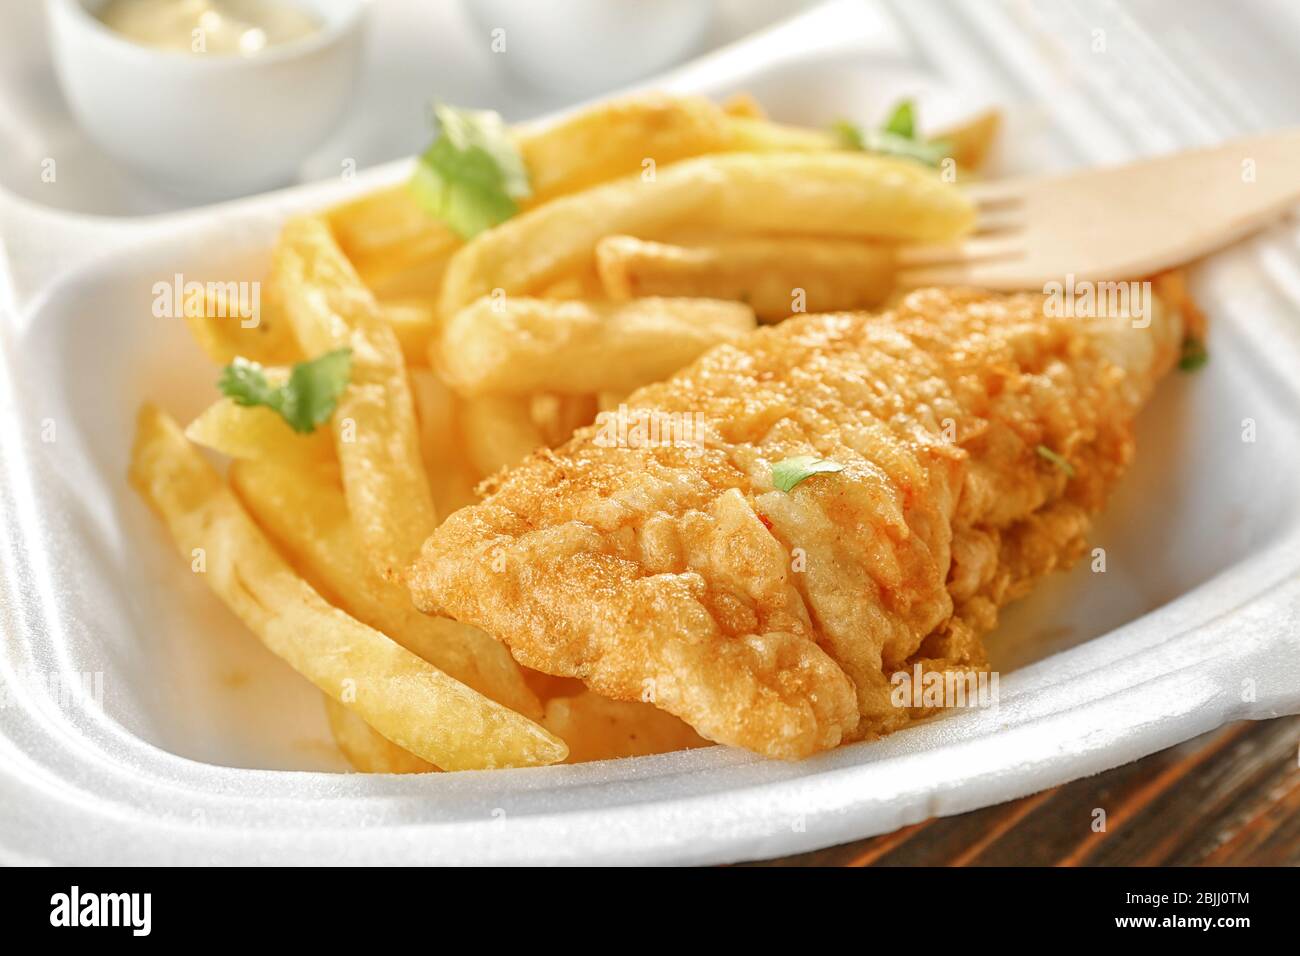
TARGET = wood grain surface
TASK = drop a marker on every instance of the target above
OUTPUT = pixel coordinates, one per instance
(1228, 798)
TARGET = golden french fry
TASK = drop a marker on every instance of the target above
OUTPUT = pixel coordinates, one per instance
(762, 136)
(839, 194)
(258, 433)
(399, 250)
(744, 106)
(395, 246)
(597, 728)
(548, 686)
(367, 749)
(452, 477)
(970, 143)
(610, 400)
(308, 519)
(224, 333)
(776, 277)
(615, 139)
(375, 430)
(500, 432)
(581, 285)
(402, 696)
(559, 416)
(414, 320)
(520, 345)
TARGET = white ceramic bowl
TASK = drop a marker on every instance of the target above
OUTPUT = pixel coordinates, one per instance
(211, 126)
(581, 47)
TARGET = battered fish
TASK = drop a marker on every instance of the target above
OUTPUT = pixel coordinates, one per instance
(977, 435)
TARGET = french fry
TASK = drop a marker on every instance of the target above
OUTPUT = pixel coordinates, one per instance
(776, 277)
(376, 433)
(414, 320)
(744, 105)
(762, 136)
(308, 519)
(500, 432)
(367, 749)
(224, 334)
(581, 285)
(970, 143)
(519, 345)
(593, 727)
(615, 139)
(548, 686)
(597, 728)
(399, 250)
(611, 400)
(395, 246)
(402, 696)
(839, 194)
(452, 477)
(260, 434)
(559, 416)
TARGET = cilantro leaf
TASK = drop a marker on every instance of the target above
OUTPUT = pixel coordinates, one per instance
(790, 471)
(1056, 459)
(306, 400)
(1194, 354)
(472, 176)
(245, 382)
(896, 138)
(848, 134)
(902, 121)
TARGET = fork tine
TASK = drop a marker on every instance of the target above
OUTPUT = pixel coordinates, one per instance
(996, 192)
(1000, 219)
(969, 250)
(986, 274)
(943, 276)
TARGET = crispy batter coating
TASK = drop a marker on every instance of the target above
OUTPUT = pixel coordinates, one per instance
(773, 620)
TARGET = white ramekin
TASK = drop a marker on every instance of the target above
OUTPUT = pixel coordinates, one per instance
(210, 126)
(581, 47)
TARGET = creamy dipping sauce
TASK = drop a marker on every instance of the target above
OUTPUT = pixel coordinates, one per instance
(241, 27)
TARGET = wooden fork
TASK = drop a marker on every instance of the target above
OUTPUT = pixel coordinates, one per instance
(1121, 222)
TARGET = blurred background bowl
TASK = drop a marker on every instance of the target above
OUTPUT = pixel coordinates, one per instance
(209, 126)
(581, 47)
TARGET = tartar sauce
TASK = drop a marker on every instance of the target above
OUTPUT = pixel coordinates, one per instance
(243, 27)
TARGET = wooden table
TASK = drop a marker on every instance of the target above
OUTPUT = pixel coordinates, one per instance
(1228, 798)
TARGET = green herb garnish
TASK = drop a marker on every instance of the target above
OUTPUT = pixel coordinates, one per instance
(1194, 354)
(1055, 459)
(896, 138)
(902, 122)
(790, 471)
(306, 400)
(472, 176)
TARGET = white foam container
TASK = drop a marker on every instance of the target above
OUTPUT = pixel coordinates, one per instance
(204, 749)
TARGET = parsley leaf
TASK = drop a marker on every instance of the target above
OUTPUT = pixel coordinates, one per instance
(472, 176)
(1056, 459)
(1194, 354)
(902, 121)
(305, 401)
(896, 138)
(849, 135)
(790, 471)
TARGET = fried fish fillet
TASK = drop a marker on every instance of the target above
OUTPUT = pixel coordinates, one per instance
(977, 432)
